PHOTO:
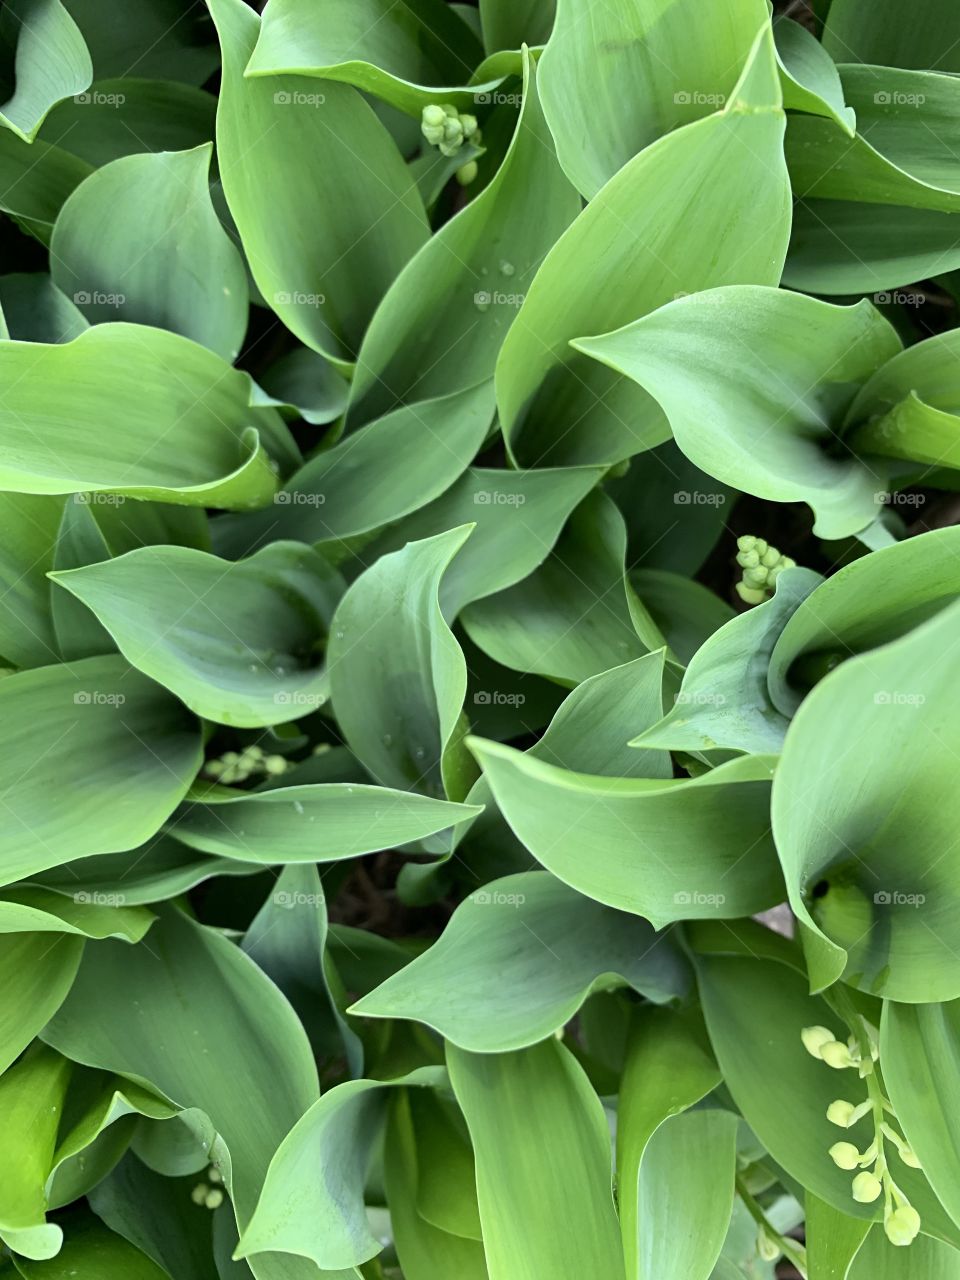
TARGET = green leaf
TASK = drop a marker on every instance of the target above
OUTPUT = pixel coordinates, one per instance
(832, 1239)
(238, 643)
(308, 381)
(555, 406)
(177, 420)
(426, 339)
(574, 616)
(507, 24)
(322, 265)
(668, 1068)
(277, 825)
(324, 1218)
(518, 959)
(928, 1259)
(724, 701)
(404, 54)
(900, 154)
(168, 262)
(162, 39)
(771, 430)
(124, 116)
(666, 849)
(842, 247)
(397, 675)
(35, 180)
(91, 1249)
(809, 76)
(686, 612)
(38, 969)
(96, 758)
(27, 637)
(543, 1164)
(622, 75)
(34, 309)
(241, 1055)
(920, 1048)
(32, 908)
(50, 62)
(517, 518)
(885, 925)
(883, 34)
(288, 940)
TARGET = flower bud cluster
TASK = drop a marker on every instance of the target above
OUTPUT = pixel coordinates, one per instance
(238, 766)
(762, 564)
(446, 128)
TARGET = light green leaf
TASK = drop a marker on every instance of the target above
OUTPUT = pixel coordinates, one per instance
(518, 516)
(543, 1164)
(35, 179)
(403, 54)
(555, 406)
(241, 1054)
(666, 849)
(618, 76)
(842, 247)
(724, 701)
(323, 1218)
(277, 826)
(30, 523)
(162, 39)
(667, 1069)
(239, 643)
(168, 262)
(32, 908)
(685, 611)
(517, 961)
(767, 426)
(39, 969)
(129, 409)
(96, 757)
(927, 1259)
(441, 325)
(397, 675)
(322, 265)
(884, 34)
(920, 1049)
(50, 62)
(574, 616)
(309, 383)
(809, 76)
(507, 24)
(832, 1239)
(885, 924)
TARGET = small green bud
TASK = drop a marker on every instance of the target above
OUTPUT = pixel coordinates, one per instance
(275, 765)
(814, 1038)
(214, 1199)
(748, 559)
(866, 1188)
(909, 1157)
(746, 543)
(845, 1155)
(837, 1055)
(214, 1174)
(902, 1225)
(433, 114)
(199, 1193)
(767, 1247)
(770, 557)
(751, 595)
(841, 1113)
(468, 124)
(467, 173)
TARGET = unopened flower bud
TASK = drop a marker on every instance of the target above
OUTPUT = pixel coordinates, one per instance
(468, 124)
(845, 1155)
(909, 1157)
(902, 1225)
(841, 1113)
(467, 173)
(866, 1188)
(837, 1055)
(767, 1247)
(214, 1199)
(199, 1193)
(433, 115)
(814, 1038)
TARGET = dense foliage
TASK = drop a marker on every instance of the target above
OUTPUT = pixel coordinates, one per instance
(480, 630)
